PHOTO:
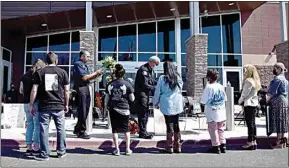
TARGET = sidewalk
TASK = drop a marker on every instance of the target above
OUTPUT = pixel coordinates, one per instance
(102, 138)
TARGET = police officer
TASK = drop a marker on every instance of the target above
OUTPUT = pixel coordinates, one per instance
(82, 79)
(144, 87)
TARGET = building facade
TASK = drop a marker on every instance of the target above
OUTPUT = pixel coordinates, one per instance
(239, 33)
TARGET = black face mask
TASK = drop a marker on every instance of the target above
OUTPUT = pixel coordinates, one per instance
(274, 72)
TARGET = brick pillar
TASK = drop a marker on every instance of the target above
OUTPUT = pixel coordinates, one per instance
(265, 73)
(196, 61)
(88, 43)
(282, 52)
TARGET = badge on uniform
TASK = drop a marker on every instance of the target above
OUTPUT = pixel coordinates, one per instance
(144, 73)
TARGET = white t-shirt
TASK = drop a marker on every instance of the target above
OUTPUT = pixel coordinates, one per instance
(214, 98)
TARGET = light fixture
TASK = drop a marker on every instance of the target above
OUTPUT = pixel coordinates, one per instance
(43, 24)
(231, 4)
(172, 9)
(109, 16)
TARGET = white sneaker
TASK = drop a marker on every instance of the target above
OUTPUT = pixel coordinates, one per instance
(128, 152)
(116, 152)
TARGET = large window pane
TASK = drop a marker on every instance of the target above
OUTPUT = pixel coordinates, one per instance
(232, 60)
(101, 56)
(211, 26)
(147, 37)
(231, 33)
(126, 56)
(184, 77)
(75, 45)
(107, 39)
(127, 38)
(145, 56)
(59, 42)
(185, 33)
(166, 36)
(214, 60)
(167, 57)
(32, 57)
(37, 43)
(184, 58)
(74, 57)
(220, 70)
(63, 58)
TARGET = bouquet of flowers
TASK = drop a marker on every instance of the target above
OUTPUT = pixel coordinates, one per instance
(107, 64)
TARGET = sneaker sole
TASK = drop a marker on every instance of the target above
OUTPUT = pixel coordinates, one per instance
(62, 156)
(41, 159)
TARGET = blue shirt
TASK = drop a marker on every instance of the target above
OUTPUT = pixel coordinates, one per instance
(80, 69)
(278, 86)
(171, 101)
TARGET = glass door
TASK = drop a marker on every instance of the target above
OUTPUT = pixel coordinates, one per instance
(233, 77)
(7, 70)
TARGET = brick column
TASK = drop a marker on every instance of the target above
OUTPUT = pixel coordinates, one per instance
(196, 61)
(282, 52)
(88, 43)
(265, 73)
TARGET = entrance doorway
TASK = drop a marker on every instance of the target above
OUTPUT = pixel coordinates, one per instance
(233, 76)
(7, 69)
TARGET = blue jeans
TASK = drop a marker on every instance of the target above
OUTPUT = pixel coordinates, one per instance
(59, 120)
(33, 126)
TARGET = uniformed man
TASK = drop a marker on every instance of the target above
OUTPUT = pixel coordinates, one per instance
(144, 88)
(11, 95)
(82, 79)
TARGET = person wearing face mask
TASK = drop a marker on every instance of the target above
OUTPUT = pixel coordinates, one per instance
(278, 102)
(144, 88)
(11, 95)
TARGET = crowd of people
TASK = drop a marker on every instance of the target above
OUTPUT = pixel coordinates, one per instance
(45, 88)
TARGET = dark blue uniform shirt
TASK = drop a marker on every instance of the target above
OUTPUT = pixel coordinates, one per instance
(80, 69)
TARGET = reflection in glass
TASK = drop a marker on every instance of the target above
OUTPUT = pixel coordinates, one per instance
(214, 60)
(75, 45)
(184, 77)
(127, 38)
(145, 56)
(231, 33)
(184, 63)
(59, 42)
(74, 57)
(101, 56)
(37, 43)
(185, 33)
(107, 39)
(211, 26)
(166, 36)
(126, 56)
(232, 60)
(167, 57)
(32, 57)
(63, 58)
(147, 37)
(220, 70)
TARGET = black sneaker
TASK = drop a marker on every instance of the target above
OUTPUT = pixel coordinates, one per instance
(84, 136)
(41, 158)
(61, 155)
(215, 149)
(75, 132)
(148, 136)
(223, 148)
(35, 153)
(29, 152)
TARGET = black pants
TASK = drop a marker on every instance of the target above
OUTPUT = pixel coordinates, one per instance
(143, 115)
(83, 109)
(172, 123)
(250, 117)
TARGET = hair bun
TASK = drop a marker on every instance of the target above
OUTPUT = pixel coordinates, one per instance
(118, 67)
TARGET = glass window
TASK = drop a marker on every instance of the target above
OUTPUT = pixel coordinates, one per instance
(231, 33)
(127, 38)
(75, 44)
(32, 57)
(6, 55)
(107, 39)
(233, 60)
(63, 58)
(145, 56)
(167, 57)
(74, 57)
(101, 56)
(184, 58)
(37, 43)
(220, 70)
(214, 60)
(184, 77)
(126, 56)
(147, 37)
(166, 36)
(185, 33)
(59, 42)
(211, 26)
(130, 75)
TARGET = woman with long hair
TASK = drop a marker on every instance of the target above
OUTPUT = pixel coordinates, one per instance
(278, 103)
(168, 96)
(249, 99)
(119, 95)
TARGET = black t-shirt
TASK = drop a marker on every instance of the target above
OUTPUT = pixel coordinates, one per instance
(119, 91)
(11, 96)
(51, 81)
(27, 86)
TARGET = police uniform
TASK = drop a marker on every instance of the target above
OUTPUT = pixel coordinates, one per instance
(144, 87)
(80, 69)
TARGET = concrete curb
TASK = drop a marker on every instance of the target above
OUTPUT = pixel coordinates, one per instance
(108, 143)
